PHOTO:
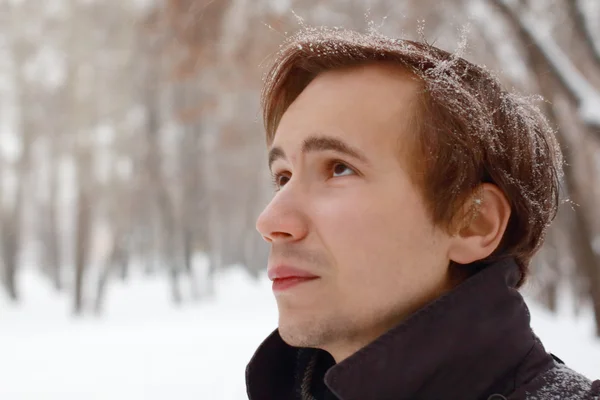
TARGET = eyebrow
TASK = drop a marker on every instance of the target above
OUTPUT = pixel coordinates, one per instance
(319, 143)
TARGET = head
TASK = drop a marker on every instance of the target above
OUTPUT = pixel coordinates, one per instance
(400, 170)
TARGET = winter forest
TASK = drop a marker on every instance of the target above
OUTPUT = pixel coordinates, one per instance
(132, 150)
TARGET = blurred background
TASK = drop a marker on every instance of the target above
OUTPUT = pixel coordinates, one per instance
(133, 167)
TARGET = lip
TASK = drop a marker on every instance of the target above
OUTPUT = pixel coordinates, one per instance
(287, 272)
(279, 285)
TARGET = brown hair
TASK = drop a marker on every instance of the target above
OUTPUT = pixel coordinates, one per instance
(469, 130)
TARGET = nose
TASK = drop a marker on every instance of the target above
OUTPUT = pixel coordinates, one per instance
(283, 220)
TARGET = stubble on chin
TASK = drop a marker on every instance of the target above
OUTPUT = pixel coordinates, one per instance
(312, 332)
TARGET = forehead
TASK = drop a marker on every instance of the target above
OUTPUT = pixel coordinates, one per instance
(369, 106)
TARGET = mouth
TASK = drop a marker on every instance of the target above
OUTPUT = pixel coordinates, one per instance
(282, 284)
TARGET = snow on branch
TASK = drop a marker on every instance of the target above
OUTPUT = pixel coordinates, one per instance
(586, 95)
(583, 23)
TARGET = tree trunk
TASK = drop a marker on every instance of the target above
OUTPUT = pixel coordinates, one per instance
(10, 241)
(581, 230)
(82, 243)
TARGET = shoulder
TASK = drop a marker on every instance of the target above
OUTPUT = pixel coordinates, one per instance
(559, 382)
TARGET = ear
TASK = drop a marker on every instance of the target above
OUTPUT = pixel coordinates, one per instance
(487, 214)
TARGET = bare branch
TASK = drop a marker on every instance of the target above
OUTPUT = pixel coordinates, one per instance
(570, 78)
(582, 29)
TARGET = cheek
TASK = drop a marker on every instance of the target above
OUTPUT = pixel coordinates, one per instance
(387, 257)
(377, 235)
(365, 231)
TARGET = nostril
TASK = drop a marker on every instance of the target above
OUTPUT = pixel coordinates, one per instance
(277, 236)
(267, 239)
(496, 397)
(280, 235)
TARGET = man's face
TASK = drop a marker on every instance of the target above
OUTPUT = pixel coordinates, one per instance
(347, 211)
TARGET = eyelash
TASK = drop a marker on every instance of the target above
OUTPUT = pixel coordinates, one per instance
(275, 180)
(329, 167)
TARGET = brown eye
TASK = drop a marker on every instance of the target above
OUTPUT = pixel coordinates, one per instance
(341, 169)
(279, 180)
(282, 180)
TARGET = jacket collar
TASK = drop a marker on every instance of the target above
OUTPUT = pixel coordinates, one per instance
(458, 347)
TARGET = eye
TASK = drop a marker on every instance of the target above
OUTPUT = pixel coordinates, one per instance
(340, 169)
(280, 179)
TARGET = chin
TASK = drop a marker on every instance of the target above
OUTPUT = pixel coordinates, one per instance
(310, 332)
(292, 333)
(298, 333)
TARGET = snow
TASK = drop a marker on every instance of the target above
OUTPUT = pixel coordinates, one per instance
(587, 96)
(145, 348)
(142, 348)
(495, 32)
(569, 337)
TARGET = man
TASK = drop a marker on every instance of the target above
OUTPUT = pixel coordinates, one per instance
(411, 193)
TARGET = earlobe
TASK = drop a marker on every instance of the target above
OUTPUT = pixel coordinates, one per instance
(487, 213)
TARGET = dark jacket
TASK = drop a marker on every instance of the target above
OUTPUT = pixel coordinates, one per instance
(473, 343)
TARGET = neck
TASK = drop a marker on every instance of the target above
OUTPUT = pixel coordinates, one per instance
(350, 344)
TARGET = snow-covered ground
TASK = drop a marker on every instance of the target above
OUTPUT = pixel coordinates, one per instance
(144, 348)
